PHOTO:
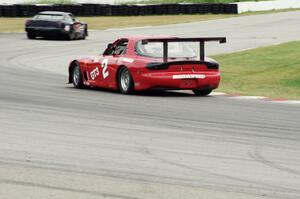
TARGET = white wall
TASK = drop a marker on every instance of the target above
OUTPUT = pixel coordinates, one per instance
(267, 5)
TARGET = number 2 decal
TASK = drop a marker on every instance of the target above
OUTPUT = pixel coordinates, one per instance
(104, 64)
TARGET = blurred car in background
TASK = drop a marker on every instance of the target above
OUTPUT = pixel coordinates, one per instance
(56, 25)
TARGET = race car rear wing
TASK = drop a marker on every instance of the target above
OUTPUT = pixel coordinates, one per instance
(201, 41)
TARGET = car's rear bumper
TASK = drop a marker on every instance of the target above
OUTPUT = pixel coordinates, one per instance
(46, 31)
(178, 80)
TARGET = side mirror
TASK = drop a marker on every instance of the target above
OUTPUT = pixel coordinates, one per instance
(109, 49)
(110, 46)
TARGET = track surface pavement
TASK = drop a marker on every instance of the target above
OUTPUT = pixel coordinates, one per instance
(61, 142)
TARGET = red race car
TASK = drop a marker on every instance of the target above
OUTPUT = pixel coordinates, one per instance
(146, 62)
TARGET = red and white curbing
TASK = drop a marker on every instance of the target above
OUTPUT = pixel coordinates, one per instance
(238, 96)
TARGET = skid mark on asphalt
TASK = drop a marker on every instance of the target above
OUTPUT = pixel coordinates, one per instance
(81, 191)
(268, 188)
(257, 156)
(75, 169)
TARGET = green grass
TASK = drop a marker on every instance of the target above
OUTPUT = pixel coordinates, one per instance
(8, 24)
(16, 24)
(12, 24)
(181, 1)
(139, 21)
(272, 71)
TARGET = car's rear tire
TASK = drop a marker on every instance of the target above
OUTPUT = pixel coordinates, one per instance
(85, 33)
(202, 92)
(30, 35)
(125, 81)
(71, 35)
(77, 76)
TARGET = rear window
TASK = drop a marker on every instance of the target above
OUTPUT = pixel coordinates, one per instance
(175, 49)
(49, 17)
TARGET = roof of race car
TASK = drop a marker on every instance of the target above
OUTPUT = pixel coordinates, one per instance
(140, 37)
(53, 13)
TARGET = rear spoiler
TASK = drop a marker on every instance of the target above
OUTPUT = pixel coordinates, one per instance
(201, 41)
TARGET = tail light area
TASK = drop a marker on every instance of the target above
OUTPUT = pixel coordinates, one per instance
(183, 66)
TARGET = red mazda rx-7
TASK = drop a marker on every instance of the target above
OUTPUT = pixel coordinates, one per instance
(137, 63)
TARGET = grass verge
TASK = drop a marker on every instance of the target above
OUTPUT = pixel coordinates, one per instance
(272, 71)
(99, 23)
(16, 24)
(139, 21)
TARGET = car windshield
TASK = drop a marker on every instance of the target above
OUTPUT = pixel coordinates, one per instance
(49, 17)
(175, 49)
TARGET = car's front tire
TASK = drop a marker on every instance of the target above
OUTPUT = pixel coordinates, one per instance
(202, 92)
(30, 35)
(125, 81)
(77, 76)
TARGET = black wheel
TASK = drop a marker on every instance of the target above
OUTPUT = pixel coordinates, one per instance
(71, 35)
(77, 76)
(85, 34)
(30, 35)
(125, 81)
(86, 31)
(202, 92)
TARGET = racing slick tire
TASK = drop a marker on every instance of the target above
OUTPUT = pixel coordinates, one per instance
(202, 92)
(85, 33)
(83, 36)
(30, 35)
(71, 35)
(77, 76)
(125, 81)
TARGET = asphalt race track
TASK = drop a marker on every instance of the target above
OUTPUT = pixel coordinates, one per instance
(63, 143)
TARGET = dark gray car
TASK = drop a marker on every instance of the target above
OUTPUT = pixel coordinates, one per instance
(55, 24)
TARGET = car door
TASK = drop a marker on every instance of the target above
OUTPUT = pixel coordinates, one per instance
(98, 70)
(109, 63)
(91, 70)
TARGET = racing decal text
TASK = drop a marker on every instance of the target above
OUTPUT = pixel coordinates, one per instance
(94, 73)
(104, 64)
